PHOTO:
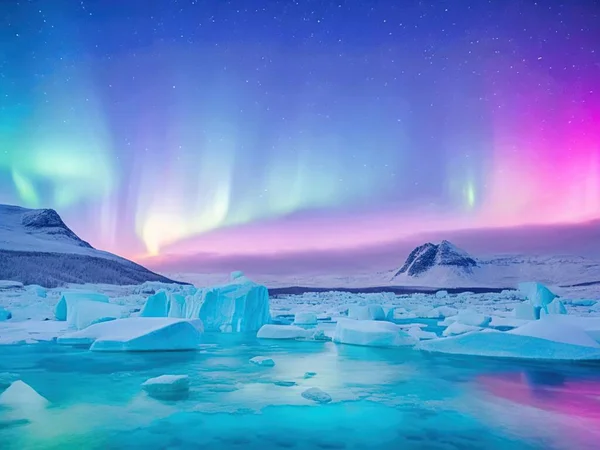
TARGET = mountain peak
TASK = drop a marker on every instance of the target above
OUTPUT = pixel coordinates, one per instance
(429, 255)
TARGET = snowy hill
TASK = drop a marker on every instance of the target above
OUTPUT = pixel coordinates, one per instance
(429, 256)
(37, 247)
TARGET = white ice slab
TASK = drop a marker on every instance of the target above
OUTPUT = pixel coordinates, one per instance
(371, 333)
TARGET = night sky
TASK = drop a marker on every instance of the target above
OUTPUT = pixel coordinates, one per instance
(176, 129)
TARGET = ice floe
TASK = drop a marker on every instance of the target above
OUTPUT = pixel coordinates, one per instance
(68, 299)
(262, 361)
(167, 386)
(138, 334)
(316, 395)
(371, 333)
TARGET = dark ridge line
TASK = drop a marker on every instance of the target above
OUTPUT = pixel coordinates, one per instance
(295, 290)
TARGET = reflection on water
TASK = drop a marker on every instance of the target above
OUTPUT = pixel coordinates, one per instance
(383, 399)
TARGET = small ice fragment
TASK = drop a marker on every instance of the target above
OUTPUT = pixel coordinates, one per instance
(285, 383)
(441, 294)
(305, 318)
(316, 395)
(167, 386)
(310, 374)
(262, 361)
(20, 396)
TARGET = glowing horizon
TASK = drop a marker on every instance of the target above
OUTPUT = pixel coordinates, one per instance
(171, 147)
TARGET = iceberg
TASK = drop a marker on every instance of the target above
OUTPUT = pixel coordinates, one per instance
(555, 307)
(70, 298)
(138, 334)
(23, 398)
(305, 318)
(83, 313)
(316, 395)
(233, 308)
(441, 294)
(371, 333)
(5, 314)
(167, 386)
(535, 340)
(366, 312)
(177, 306)
(282, 332)
(157, 305)
(525, 311)
(537, 294)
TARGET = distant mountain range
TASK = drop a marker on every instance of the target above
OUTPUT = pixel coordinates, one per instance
(37, 247)
(445, 265)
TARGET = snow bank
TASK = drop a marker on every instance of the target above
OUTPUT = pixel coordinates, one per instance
(371, 333)
(157, 305)
(167, 385)
(4, 314)
(22, 398)
(366, 312)
(282, 332)
(70, 298)
(83, 313)
(138, 334)
(305, 318)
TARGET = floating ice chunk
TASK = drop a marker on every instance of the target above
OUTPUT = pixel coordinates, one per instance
(470, 318)
(441, 294)
(555, 307)
(285, 383)
(83, 313)
(38, 290)
(537, 294)
(238, 307)
(457, 328)
(4, 314)
(419, 334)
(167, 386)
(70, 298)
(262, 361)
(398, 313)
(308, 375)
(138, 334)
(371, 333)
(580, 302)
(282, 332)
(305, 318)
(436, 313)
(177, 306)
(157, 305)
(316, 395)
(23, 398)
(525, 311)
(366, 312)
(499, 344)
(556, 332)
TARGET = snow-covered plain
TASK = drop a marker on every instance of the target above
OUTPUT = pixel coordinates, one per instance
(376, 364)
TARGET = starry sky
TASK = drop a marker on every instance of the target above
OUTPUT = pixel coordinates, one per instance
(190, 130)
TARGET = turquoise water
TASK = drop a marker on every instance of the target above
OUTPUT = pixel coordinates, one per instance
(382, 399)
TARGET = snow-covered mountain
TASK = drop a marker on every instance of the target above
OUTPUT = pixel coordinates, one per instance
(37, 247)
(429, 256)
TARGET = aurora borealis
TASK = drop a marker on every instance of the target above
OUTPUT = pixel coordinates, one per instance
(172, 128)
